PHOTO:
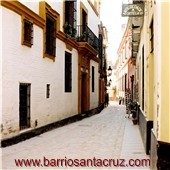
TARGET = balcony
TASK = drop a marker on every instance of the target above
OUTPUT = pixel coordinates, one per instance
(82, 33)
(137, 23)
(85, 34)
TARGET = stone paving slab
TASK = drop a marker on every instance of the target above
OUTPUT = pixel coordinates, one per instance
(132, 147)
(107, 135)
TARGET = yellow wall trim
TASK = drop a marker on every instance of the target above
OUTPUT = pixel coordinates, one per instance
(82, 7)
(86, 50)
(164, 133)
(24, 11)
(62, 36)
(45, 8)
(40, 19)
(93, 7)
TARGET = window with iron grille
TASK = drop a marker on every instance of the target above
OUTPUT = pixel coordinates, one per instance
(125, 82)
(68, 72)
(50, 35)
(101, 51)
(151, 37)
(48, 91)
(71, 12)
(93, 73)
(24, 105)
(28, 33)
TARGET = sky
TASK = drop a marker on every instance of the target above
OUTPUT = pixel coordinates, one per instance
(110, 14)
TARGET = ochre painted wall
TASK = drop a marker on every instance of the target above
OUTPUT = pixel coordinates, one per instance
(165, 74)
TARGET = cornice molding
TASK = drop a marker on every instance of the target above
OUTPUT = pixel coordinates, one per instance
(62, 36)
(86, 50)
(92, 6)
(22, 10)
(83, 47)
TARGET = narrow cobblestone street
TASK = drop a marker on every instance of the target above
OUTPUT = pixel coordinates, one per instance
(108, 135)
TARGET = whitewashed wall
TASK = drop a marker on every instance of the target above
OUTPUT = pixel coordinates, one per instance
(58, 6)
(33, 6)
(93, 19)
(0, 67)
(94, 96)
(22, 64)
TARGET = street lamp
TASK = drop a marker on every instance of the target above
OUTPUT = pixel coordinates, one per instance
(109, 71)
(109, 82)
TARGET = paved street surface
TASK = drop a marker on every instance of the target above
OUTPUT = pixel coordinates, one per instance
(108, 135)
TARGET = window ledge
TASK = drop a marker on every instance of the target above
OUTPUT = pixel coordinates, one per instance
(27, 44)
(49, 56)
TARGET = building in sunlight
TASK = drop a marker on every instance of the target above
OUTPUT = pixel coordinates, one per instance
(125, 67)
(103, 43)
(150, 54)
(50, 63)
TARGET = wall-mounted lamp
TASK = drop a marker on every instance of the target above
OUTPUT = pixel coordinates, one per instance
(109, 71)
(109, 82)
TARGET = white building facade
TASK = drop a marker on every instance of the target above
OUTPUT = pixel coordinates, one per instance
(47, 75)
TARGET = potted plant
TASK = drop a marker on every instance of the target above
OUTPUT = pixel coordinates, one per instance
(132, 109)
(74, 33)
(83, 37)
(68, 29)
(134, 116)
(134, 112)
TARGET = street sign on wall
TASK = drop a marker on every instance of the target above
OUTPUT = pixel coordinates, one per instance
(132, 10)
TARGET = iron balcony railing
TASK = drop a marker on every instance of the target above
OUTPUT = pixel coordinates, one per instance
(82, 33)
(85, 34)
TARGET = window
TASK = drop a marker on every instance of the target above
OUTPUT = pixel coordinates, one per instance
(123, 85)
(71, 12)
(24, 105)
(50, 35)
(125, 82)
(151, 37)
(84, 20)
(101, 50)
(51, 27)
(27, 32)
(48, 91)
(93, 73)
(68, 72)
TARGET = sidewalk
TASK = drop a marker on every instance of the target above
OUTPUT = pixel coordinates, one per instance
(132, 146)
(108, 135)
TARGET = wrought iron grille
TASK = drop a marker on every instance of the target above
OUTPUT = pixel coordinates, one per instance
(68, 72)
(71, 12)
(24, 106)
(50, 35)
(28, 32)
(87, 35)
